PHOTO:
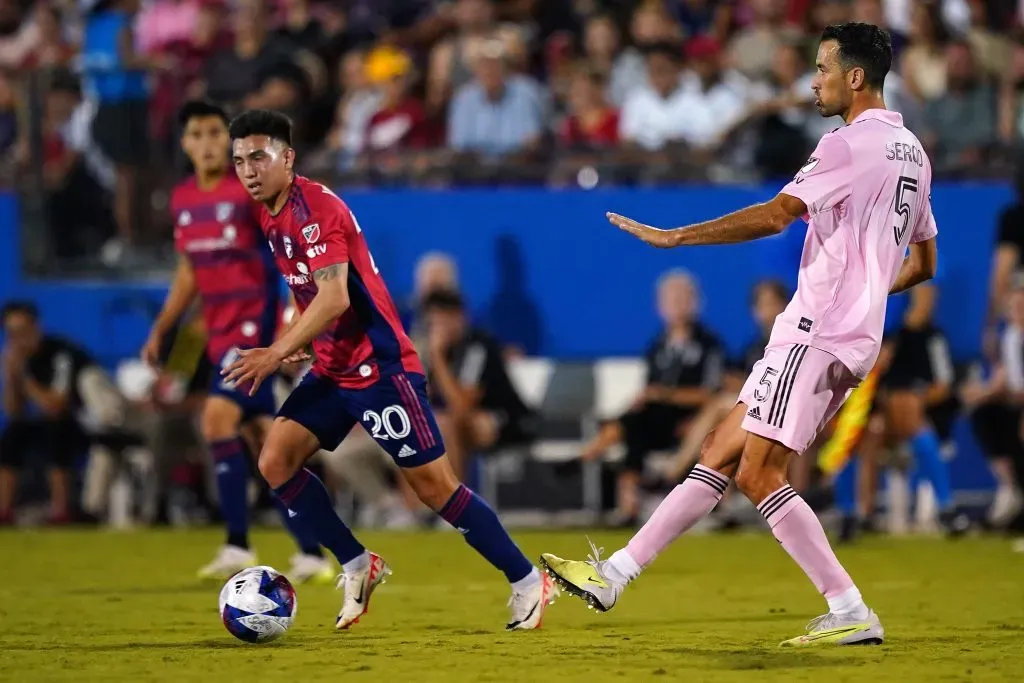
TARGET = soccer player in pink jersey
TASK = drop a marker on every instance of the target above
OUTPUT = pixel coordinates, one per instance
(865, 195)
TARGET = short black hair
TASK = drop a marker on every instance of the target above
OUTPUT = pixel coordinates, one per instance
(26, 308)
(273, 124)
(194, 109)
(863, 45)
(665, 48)
(443, 300)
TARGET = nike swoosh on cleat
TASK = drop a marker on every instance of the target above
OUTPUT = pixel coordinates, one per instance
(362, 589)
(526, 618)
(849, 630)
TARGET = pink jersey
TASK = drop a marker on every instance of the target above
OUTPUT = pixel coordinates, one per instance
(867, 188)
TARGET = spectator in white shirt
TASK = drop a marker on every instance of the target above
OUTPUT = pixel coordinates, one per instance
(652, 112)
(713, 99)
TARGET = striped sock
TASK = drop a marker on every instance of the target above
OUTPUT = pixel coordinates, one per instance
(686, 505)
(798, 530)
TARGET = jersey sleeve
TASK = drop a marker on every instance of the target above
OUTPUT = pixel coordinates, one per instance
(925, 228)
(326, 242)
(823, 182)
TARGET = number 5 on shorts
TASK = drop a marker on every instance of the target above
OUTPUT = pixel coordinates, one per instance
(764, 389)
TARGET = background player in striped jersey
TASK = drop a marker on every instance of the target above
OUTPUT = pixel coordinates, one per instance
(865, 193)
(225, 262)
(366, 371)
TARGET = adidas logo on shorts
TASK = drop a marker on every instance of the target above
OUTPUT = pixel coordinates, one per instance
(405, 451)
(754, 412)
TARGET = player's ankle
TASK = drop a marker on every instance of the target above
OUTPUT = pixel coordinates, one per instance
(848, 603)
(622, 568)
(527, 581)
(357, 563)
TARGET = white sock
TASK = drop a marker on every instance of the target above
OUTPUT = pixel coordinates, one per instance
(524, 583)
(848, 603)
(357, 563)
(622, 568)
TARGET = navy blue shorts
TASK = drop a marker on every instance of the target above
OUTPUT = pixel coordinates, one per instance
(394, 411)
(262, 404)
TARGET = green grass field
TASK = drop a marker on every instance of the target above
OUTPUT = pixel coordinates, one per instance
(98, 606)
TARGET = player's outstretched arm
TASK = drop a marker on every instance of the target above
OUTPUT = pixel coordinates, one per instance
(330, 302)
(754, 222)
(918, 267)
(179, 298)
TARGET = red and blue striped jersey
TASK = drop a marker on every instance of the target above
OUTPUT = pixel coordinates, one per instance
(218, 232)
(316, 229)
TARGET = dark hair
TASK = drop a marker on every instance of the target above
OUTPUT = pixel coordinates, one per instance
(273, 124)
(664, 48)
(443, 300)
(195, 109)
(26, 308)
(776, 287)
(865, 46)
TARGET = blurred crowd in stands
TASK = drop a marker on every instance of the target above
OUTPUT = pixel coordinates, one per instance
(441, 92)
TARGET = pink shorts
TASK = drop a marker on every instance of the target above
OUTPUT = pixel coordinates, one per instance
(793, 392)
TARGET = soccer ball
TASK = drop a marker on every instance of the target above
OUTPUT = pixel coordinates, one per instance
(258, 604)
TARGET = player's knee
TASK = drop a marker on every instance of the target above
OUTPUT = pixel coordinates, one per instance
(219, 420)
(434, 483)
(758, 481)
(276, 467)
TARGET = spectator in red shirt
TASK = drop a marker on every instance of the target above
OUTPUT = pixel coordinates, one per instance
(592, 122)
(400, 124)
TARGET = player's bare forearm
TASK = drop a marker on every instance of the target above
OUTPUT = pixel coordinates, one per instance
(918, 267)
(52, 402)
(181, 295)
(329, 304)
(751, 223)
(14, 397)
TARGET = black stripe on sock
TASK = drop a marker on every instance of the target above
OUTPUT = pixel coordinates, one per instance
(772, 496)
(782, 382)
(710, 480)
(779, 502)
(792, 381)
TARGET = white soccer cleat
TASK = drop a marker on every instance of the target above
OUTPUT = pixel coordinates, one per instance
(230, 560)
(311, 569)
(528, 606)
(1005, 506)
(833, 629)
(358, 587)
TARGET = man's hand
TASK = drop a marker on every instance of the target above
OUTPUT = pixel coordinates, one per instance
(253, 365)
(13, 364)
(653, 236)
(972, 393)
(300, 356)
(150, 352)
(438, 343)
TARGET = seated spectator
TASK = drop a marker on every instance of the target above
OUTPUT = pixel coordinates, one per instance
(624, 70)
(435, 272)
(712, 99)
(232, 73)
(43, 397)
(923, 63)
(52, 49)
(961, 125)
(651, 115)
(498, 114)
(752, 47)
(300, 27)
(704, 17)
(768, 300)
(400, 124)
(1011, 98)
(992, 49)
(592, 123)
(450, 65)
(357, 105)
(8, 116)
(684, 372)
(164, 23)
(479, 409)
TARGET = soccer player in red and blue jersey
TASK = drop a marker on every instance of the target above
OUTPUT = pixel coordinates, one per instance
(365, 372)
(226, 263)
